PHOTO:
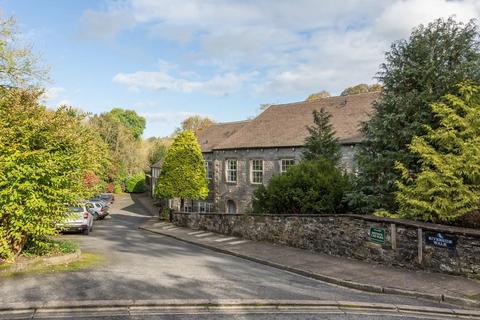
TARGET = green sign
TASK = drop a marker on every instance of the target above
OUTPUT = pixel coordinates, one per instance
(377, 235)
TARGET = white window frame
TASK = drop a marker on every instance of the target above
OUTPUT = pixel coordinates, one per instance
(229, 170)
(208, 169)
(205, 207)
(254, 170)
(284, 167)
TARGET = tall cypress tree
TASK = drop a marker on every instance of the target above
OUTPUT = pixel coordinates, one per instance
(416, 73)
(322, 142)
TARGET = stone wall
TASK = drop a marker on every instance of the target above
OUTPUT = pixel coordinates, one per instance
(407, 244)
(241, 192)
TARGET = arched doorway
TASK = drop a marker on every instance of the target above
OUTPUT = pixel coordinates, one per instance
(231, 206)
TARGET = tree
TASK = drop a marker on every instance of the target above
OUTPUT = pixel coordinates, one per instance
(448, 183)
(183, 172)
(128, 153)
(18, 67)
(416, 73)
(361, 88)
(195, 124)
(131, 120)
(310, 187)
(46, 158)
(319, 95)
(158, 148)
(322, 144)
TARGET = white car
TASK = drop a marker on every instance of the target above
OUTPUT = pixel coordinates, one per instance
(80, 219)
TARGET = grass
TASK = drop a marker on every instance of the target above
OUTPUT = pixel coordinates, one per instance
(86, 260)
(48, 247)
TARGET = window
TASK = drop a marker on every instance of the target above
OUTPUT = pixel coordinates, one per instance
(257, 171)
(208, 168)
(286, 163)
(205, 207)
(231, 170)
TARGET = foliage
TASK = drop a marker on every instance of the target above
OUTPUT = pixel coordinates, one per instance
(127, 153)
(361, 88)
(48, 247)
(322, 142)
(18, 67)
(195, 124)
(135, 183)
(310, 187)
(158, 148)
(44, 156)
(131, 120)
(117, 188)
(183, 172)
(318, 95)
(416, 73)
(448, 183)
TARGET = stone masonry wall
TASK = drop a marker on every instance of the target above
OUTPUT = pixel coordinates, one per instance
(241, 191)
(405, 242)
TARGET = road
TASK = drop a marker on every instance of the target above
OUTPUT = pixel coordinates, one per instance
(140, 265)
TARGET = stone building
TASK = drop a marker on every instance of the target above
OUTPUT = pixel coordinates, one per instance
(240, 156)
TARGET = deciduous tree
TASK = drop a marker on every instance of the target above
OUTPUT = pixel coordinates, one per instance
(44, 158)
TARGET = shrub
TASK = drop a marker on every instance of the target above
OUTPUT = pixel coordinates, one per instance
(117, 188)
(135, 183)
(311, 187)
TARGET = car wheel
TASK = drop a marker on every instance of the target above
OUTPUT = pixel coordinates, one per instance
(86, 231)
(91, 227)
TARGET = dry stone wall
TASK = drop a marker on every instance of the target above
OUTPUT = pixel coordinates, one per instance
(395, 242)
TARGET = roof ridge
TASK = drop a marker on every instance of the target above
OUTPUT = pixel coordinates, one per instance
(316, 100)
(232, 122)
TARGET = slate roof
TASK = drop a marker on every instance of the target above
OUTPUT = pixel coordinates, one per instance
(217, 133)
(284, 125)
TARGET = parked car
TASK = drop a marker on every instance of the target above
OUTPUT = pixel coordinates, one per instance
(81, 219)
(99, 210)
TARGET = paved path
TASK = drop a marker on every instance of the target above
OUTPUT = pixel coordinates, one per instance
(143, 265)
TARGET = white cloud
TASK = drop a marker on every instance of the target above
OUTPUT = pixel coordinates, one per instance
(398, 19)
(219, 85)
(295, 46)
(53, 93)
(166, 117)
(105, 25)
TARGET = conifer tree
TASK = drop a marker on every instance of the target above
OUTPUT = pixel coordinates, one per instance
(416, 73)
(322, 144)
(448, 184)
(183, 172)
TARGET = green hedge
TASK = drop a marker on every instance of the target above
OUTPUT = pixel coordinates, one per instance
(135, 183)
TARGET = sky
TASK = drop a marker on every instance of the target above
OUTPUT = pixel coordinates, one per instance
(169, 59)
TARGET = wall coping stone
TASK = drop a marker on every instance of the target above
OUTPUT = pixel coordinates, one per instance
(409, 223)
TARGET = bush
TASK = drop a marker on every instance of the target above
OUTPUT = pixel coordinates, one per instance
(135, 183)
(311, 187)
(117, 188)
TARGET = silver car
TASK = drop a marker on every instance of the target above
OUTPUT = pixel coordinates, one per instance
(80, 219)
(99, 209)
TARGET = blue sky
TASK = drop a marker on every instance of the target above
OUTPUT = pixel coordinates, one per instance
(219, 58)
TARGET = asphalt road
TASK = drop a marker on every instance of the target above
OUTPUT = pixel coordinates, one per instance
(142, 265)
